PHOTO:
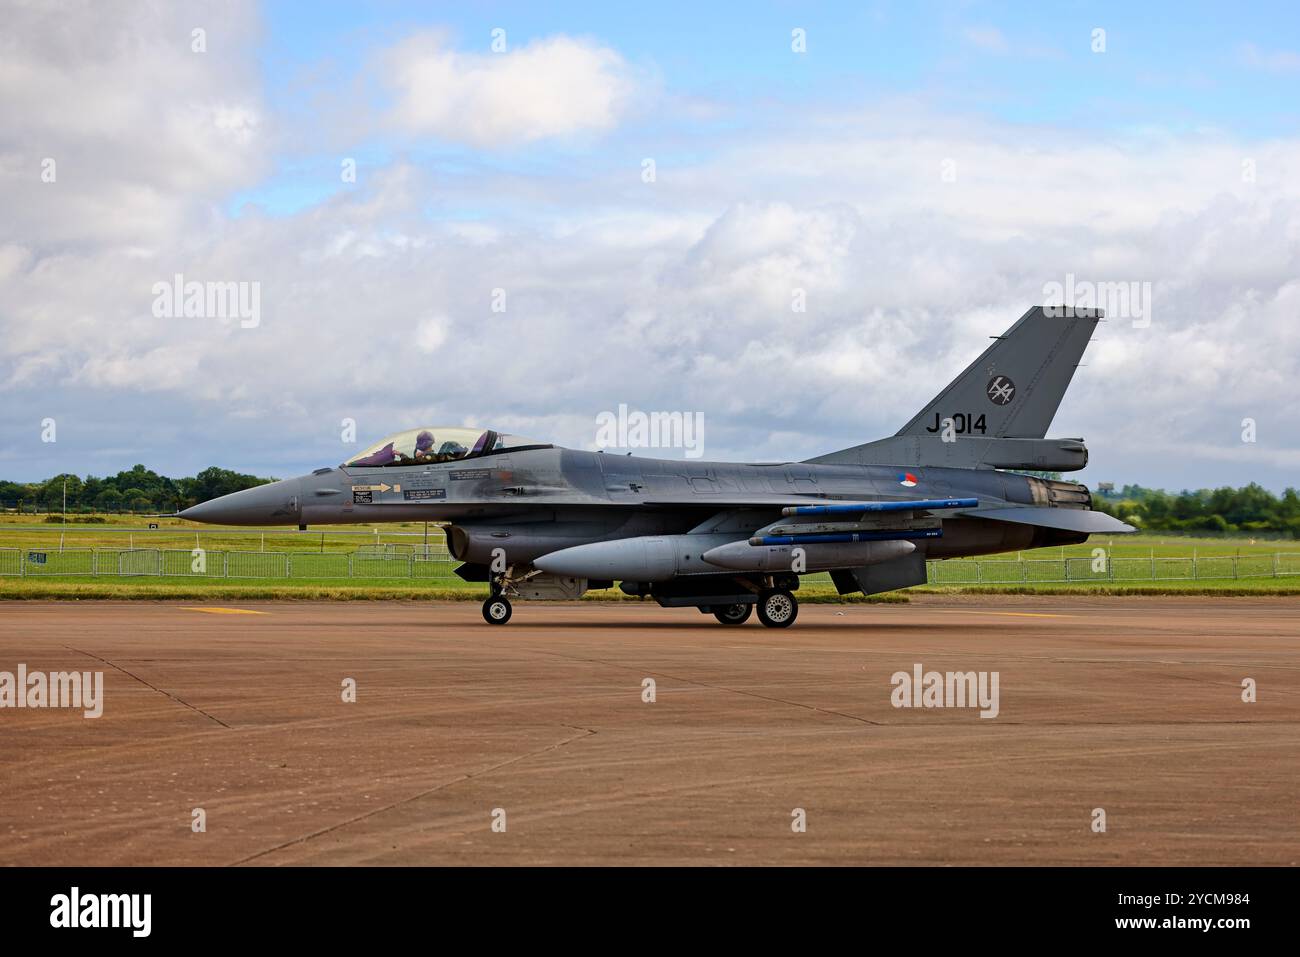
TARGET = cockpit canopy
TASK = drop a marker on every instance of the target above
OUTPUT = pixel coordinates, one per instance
(437, 443)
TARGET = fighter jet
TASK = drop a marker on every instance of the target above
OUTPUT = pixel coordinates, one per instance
(534, 521)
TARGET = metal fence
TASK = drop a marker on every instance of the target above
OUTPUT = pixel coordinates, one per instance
(198, 563)
(432, 565)
(1081, 569)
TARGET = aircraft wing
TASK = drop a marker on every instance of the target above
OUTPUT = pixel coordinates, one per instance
(1068, 519)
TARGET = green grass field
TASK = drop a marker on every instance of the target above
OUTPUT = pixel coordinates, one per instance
(131, 531)
(155, 587)
(121, 532)
(79, 588)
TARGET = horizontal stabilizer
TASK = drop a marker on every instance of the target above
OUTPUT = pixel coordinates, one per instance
(1068, 519)
(857, 508)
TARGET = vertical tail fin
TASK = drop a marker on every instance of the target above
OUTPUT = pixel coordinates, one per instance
(1014, 389)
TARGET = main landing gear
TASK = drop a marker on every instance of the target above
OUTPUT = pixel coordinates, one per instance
(777, 608)
(733, 614)
(776, 605)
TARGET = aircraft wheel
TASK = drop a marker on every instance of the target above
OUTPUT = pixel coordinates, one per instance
(777, 608)
(496, 610)
(733, 614)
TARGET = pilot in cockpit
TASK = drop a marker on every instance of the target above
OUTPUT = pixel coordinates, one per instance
(450, 451)
(424, 448)
(436, 444)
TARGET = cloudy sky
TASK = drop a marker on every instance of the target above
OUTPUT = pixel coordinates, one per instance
(504, 215)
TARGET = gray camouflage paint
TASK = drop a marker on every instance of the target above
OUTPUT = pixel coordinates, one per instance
(536, 501)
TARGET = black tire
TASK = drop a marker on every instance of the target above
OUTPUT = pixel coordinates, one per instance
(733, 614)
(777, 608)
(497, 610)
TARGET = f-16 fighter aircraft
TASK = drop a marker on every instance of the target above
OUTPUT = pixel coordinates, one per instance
(536, 521)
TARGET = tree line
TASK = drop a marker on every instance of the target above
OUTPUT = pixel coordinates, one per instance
(136, 490)
(1248, 510)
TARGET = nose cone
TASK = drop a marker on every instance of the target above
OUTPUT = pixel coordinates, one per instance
(279, 503)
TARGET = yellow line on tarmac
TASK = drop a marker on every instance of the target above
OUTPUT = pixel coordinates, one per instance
(228, 611)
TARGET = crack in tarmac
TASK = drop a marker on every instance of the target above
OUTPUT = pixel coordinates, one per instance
(161, 691)
(586, 733)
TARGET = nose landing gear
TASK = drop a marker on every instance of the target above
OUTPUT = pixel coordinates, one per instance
(497, 610)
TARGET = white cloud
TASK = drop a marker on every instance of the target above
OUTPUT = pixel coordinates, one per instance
(376, 302)
(138, 125)
(553, 87)
(1270, 61)
(988, 38)
(430, 334)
